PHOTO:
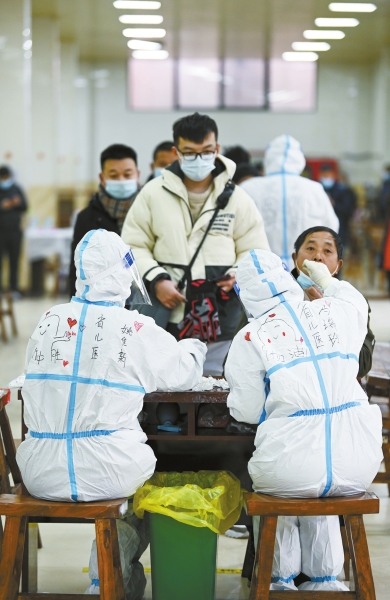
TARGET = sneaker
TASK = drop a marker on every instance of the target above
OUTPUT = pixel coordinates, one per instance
(238, 532)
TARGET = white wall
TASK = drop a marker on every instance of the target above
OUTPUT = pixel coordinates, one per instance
(343, 126)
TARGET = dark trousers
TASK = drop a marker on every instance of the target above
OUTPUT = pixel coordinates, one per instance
(10, 244)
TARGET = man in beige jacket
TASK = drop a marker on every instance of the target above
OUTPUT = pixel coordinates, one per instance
(169, 218)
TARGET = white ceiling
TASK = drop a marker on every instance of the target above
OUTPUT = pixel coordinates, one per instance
(207, 28)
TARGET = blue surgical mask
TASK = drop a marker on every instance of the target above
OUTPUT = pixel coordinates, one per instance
(305, 281)
(157, 171)
(327, 182)
(121, 189)
(5, 184)
(198, 169)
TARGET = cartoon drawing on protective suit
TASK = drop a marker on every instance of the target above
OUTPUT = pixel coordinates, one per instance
(280, 341)
(50, 323)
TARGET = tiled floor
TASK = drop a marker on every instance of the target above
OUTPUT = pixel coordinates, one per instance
(66, 548)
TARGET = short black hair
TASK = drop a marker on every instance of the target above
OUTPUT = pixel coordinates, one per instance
(327, 167)
(117, 152)
(163, 147)
(237, 154)
(5, 171)
(194, 128)
(245, 170)
(337, 239)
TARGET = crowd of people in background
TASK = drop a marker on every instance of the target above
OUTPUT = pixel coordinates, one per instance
(286, 199)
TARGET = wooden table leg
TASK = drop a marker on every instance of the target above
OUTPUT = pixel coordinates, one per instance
(347, 556)
(261, 578)
(107, 557)
(120, 591)
(365, 589)
(12, 556)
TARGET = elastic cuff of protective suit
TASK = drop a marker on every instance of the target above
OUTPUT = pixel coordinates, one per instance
(95, 582)
(284, 579)
(322, 579)
(330, 290)
(150, 285)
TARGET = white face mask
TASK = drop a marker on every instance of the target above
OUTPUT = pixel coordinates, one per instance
(120, 189)
(198, 169)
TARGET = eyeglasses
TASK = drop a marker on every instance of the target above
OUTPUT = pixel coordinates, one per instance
(193, 155)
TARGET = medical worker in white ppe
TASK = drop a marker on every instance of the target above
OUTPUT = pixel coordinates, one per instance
(293, 370)
(288, 203)
(88, 365)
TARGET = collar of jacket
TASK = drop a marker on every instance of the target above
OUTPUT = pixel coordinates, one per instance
(173, 181)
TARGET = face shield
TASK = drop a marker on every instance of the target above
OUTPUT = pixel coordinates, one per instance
(139, 295)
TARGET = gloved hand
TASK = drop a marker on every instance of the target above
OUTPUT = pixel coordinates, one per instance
(318, 272)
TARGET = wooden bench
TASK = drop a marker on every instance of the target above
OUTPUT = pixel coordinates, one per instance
(7, 310)
(18, 509)
(351, 507)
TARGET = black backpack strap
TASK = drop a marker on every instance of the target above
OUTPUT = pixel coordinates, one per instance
(221, 202)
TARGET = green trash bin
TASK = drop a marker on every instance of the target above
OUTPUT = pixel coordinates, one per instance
(187, 511)
(183, 559)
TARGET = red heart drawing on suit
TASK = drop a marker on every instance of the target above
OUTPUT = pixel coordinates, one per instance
(48, 312)
(71, 322)
(138, 325)
(248, 336)
(65, 362)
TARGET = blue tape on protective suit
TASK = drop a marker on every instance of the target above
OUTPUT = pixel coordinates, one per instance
(313, 412)
(322, 579)
(305, 359)
(48, 435)
(87, 381)
(328, 447)
(99, 303)
(284, 579)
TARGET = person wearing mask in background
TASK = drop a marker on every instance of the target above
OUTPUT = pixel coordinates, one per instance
(245, 171)
(12, 204)
(288, 203)
(342, 197)
(163, 156)
(108, 207)
(237, 154)
(167, 224)
(323, 245)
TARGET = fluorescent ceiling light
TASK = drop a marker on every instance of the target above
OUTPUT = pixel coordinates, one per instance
(150, 54)
(300, 56)
(352, 7)
(323, 34)
(315, 46)
(142, 19)
(143, 45)
(336, 22)
(144, 33)
(125, 4)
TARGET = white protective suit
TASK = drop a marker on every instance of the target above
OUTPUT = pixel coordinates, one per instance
(293, 370)
(288, 203)
(89, 364)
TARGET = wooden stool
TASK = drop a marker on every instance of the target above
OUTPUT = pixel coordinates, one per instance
(18, 509)
(351, 507)
(8, 311)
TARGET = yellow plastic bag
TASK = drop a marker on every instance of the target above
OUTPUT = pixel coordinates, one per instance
(212, 499)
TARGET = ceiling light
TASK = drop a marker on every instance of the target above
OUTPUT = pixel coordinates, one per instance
(300, 56)
(315, 46)
(142, 19)
(125, 4)
(143, 45)
(318, 34)
(352, 7)
(144, 33)
(336, 22)
(150, 54)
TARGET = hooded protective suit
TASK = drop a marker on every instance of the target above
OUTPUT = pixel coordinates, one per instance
(288, 203)
(88, 365)
(293, 370)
